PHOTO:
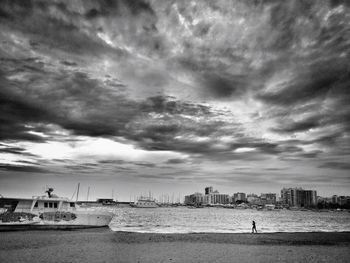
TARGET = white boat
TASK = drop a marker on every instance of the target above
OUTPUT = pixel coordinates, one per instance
(145, 202)
(270, 207)
(48, 212)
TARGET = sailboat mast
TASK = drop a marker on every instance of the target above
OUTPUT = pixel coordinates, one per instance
(78, 191)
(88, 192)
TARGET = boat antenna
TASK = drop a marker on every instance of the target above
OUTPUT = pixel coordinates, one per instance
(49, 191)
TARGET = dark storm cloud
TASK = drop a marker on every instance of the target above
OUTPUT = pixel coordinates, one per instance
(112, 161)
(145, 164)
(163, 176)
(314, 82)
(331, 139)
(17, 110)
(78, 167)
(275, 169)
(15, 113)
(8, 149)
(14, 150)
(122, 162)
(208, 79)
(312, 154)
(99, 110)
(224, 86)
(68, 63)
(62, 95)
(290, 126)
(175, 161)
(168, 104)
(317, 95)
(108, 8)
(19, 168)
(336, 165)
(57, 24)
(72, 26)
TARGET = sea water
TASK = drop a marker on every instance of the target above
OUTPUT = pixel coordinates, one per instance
(222, 220)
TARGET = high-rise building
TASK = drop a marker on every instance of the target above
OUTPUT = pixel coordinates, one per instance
(194, 199)
(208, 190)
(214, 197)
(219, 198)
(334, 199)
(240, 197)
(289, 196)
(343, 200)
(253, 199)
(298, 197)
(285, 196)
(310, 198)
(268, 199)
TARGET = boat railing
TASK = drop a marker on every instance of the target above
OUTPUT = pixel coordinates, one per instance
(55, 198)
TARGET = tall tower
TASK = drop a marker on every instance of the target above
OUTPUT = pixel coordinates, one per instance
(208, 190)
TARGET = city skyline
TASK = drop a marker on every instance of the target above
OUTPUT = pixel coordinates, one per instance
(170, 97)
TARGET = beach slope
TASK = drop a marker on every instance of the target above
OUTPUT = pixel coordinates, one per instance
(103, 245)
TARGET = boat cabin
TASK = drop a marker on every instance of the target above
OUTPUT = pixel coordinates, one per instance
(37, 204)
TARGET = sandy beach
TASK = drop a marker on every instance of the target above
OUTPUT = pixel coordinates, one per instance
(103, 245)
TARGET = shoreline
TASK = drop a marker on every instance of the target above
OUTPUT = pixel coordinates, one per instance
(277, 238)
(273, 238)
(105, 245)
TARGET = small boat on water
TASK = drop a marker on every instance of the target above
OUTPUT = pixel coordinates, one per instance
(197, 205)
(48, 212)
(145, 202)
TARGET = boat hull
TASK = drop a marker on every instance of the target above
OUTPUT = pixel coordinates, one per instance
(30, 226)
(87, 218)
(61, 220)
(143, 206)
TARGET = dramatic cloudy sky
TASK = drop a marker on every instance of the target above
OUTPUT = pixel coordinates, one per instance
(172, 96)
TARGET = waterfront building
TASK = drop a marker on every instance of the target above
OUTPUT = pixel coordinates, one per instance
(334, 199)
(210, 197)
(230, 199)
(310, 198)
(268, 199)
(196, 198)
(219, 198)
(298, 197)
(240, 197)
(253, 199)
(208, 190)
(344, 200)
(289, 196)
(207, 199)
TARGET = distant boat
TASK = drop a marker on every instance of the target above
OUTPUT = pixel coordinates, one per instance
(145, 202)
(48, 212)
(242, 206)
(270, 207)
(197, 205)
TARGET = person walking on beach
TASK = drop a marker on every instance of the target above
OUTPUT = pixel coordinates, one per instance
(254, 227)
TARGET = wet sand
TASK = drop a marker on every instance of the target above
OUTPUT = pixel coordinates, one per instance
(103, 245)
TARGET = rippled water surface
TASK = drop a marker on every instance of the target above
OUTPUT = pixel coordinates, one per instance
(221, 220)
